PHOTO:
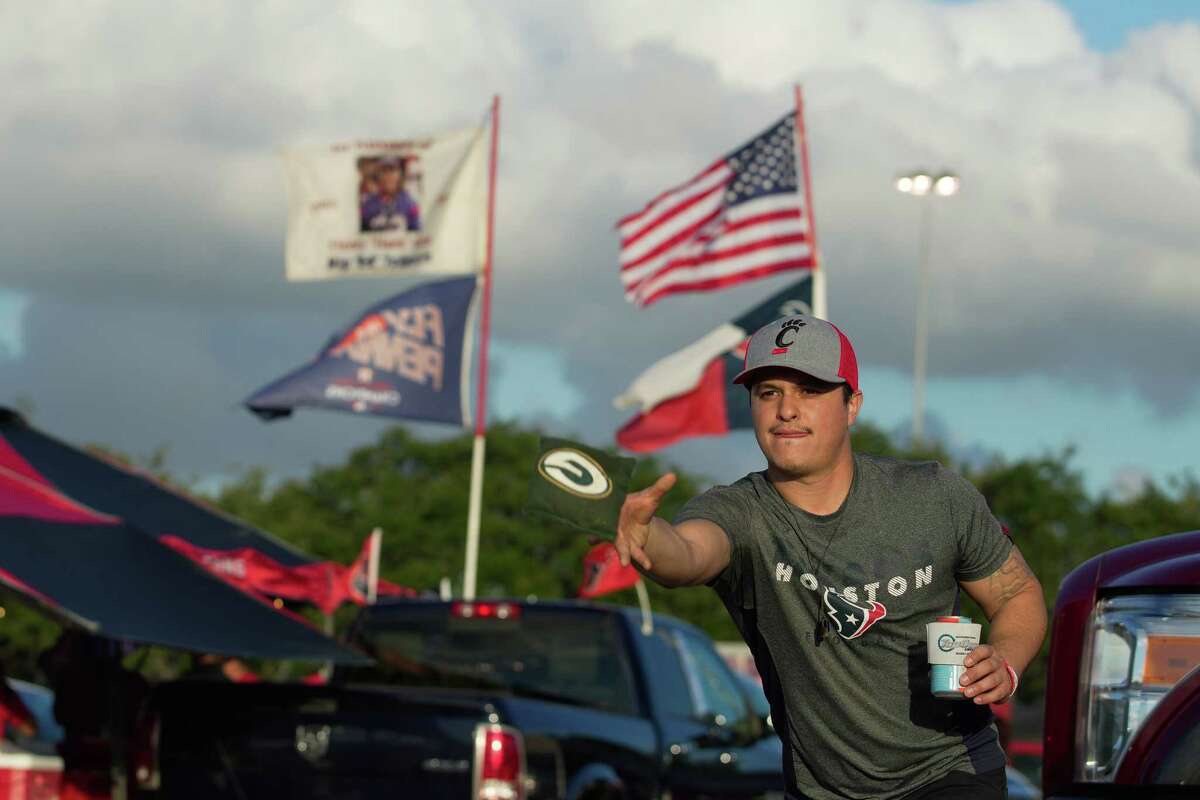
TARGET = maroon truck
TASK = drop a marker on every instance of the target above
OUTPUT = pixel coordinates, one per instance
(1123, 688)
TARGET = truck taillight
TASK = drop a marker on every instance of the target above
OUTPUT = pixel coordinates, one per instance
(143, 756)
(485, 610)
(1140, 647)
(499, 763)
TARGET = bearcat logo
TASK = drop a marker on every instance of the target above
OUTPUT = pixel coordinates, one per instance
(791, 326)
(575, 472)
(852, 619)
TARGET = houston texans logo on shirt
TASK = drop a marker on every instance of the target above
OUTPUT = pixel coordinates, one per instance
(852, 619)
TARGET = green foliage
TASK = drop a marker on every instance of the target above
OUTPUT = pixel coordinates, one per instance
(25, 632)
(416, 491)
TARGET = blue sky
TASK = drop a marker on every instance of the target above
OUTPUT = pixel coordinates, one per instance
(1106, 23)
(142, 292)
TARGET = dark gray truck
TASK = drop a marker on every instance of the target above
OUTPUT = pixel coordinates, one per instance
(489, 699)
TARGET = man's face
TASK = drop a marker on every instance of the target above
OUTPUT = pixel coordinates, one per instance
(802, 424)
(389, 179)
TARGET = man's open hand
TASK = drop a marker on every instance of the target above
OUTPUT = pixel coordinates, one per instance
(637, 516)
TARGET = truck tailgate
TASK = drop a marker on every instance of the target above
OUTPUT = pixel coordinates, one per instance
(258, 740)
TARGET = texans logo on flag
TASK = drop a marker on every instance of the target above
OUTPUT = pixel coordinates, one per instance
(575, 472)
(591, 576)
(852, 619)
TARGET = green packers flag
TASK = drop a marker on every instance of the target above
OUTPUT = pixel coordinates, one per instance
(579, 485)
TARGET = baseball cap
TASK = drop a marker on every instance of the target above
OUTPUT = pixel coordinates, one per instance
(805, 344)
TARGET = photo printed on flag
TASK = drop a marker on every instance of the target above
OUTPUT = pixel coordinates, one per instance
(384, 207)
(741, 218)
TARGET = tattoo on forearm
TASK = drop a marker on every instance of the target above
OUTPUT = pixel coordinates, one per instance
(1011, 579)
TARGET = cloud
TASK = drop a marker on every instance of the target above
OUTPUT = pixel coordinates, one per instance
(144, 201)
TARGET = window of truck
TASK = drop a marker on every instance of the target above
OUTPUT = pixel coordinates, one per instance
(562, 656)
(715, 694)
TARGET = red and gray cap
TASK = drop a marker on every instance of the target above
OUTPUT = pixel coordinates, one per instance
(805, 344)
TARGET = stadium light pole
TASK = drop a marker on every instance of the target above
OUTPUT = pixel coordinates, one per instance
(925, 186)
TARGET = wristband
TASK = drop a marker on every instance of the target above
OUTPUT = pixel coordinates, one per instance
(1012, 676)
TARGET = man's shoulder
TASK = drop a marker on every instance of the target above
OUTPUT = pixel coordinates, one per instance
(904, 474)
(723, 499)
(748, 486)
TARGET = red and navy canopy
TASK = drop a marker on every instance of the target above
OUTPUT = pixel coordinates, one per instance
(89, 567)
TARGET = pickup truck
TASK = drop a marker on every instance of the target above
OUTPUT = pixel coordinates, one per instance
(498, 699)
(1122, 714)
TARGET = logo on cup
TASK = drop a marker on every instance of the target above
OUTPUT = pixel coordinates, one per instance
(945, 643)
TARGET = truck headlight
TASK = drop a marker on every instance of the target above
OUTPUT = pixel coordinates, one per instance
(1140, 647)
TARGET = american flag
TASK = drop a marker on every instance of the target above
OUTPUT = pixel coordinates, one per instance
(741, 218)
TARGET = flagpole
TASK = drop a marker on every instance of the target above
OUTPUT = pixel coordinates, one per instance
(475, 503)
(374, 550)
(644, 602)
(819, 305)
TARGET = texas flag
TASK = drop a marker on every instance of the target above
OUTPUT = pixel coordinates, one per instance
(690, 392)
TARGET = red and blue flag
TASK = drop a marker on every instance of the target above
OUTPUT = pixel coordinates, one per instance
(742, 218)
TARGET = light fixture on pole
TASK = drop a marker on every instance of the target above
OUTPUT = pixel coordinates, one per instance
(924, 185)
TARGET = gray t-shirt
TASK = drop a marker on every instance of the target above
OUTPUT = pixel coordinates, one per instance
(834, 610)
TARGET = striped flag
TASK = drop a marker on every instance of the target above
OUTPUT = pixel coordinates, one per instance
(690, 392)
(741, 218)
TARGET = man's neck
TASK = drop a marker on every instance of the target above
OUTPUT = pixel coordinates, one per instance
(822, 493)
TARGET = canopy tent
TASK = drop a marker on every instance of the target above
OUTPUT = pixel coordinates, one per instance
(133, 496)
(104, 575)
(241, 554)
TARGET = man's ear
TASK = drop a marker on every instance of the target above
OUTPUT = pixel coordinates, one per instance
(853, 407)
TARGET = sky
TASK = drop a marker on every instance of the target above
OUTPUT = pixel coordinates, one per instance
(142, 214)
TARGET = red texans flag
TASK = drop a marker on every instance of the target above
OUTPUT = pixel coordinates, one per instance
(358, 579)
(690, 392)
(603, 573)
(743, 217)
(324, 584)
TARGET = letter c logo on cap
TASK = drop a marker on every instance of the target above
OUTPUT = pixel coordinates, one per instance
(791, 326)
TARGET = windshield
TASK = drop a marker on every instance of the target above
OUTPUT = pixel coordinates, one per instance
(571, 657)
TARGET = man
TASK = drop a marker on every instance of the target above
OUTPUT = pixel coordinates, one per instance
(831, 563)
(390, 207)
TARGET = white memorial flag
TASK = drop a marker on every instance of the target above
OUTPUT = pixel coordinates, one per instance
(387, 207)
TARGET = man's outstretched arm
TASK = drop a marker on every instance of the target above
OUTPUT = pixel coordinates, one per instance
(690, 553)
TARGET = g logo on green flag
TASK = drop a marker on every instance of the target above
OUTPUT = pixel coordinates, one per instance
(578, 485)
(575, 472)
